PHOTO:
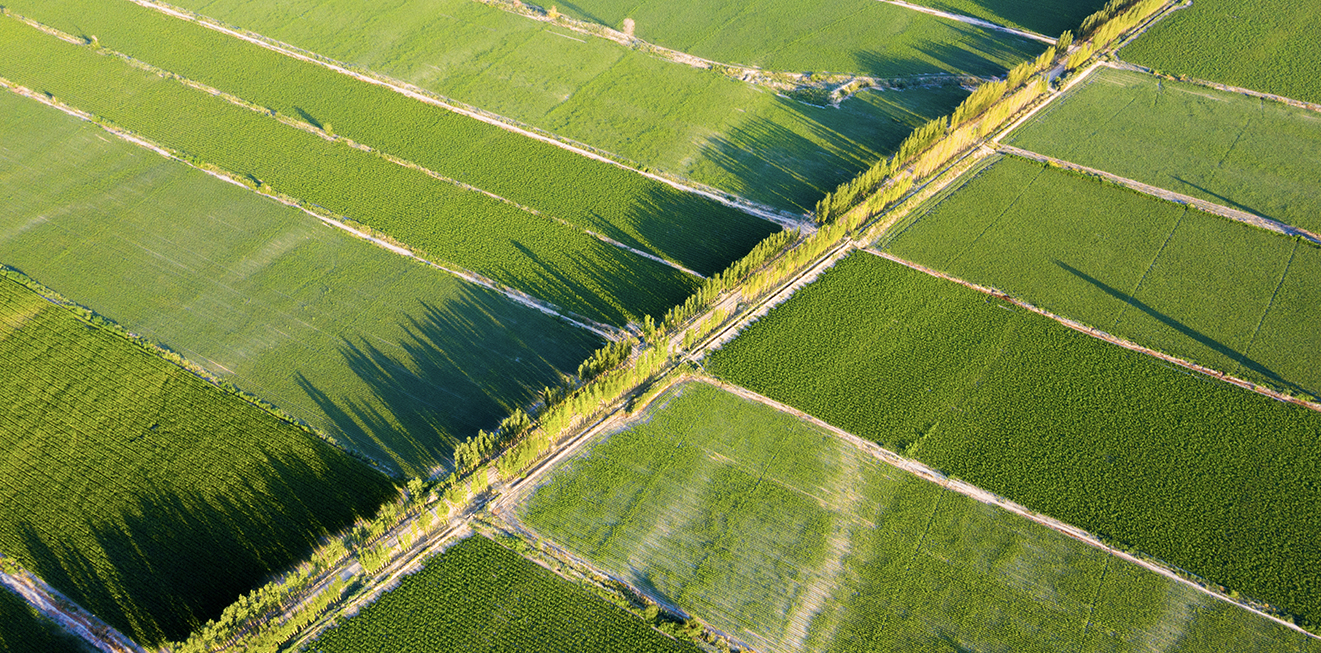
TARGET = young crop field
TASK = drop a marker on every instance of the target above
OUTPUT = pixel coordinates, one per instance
(334, 330)
(1204, 475)
(1194, 285)
(1266, 45)
(1049, 19)
(480, 596)
(142, 492)
(683, 227)
(696, 123)
(1250, 154)
(461, 227)
(22, 629)
(793, 539)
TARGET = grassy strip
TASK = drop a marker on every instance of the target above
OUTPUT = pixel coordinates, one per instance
(465, 228)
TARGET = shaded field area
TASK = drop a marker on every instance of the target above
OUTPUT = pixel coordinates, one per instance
(1217, 292)
(793, 539)
(696, 123)
(1265, 45)
(1048, 19)
(848, 36)
(149, 496)
(461, 227)
(1209, 477)
(682, 227)
(23, 630)
(1238, 151)
(480, 596)
(391, 358)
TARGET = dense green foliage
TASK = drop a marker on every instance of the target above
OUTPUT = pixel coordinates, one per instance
(142, 492)
(462, 227)
(1265, 45)
(683, 120)
(480, 596)
(1242, 152)
(1047, 18)
(23, 630)
(331, 329)
(1209, 477)
(686, 228)
(793, 539)
(1191, 284)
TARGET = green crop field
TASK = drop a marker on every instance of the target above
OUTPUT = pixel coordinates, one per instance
(1254, 155)
(696, 232)
(1049, 19)
(1206, 476)
(480, 596)
(1191, 284)
(1265, 45)
(793, 539)
(143, 493)
(23, 630)
(697, 123)
(462, 227)
(337, 331)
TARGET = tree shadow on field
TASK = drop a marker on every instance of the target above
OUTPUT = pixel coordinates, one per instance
(1224, 200)
(176, 556)
(459, 367)
(1059, 17)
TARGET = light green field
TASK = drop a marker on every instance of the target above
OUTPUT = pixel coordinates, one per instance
(700, 124)
(791, 539)
(1254, 155)
(392, 358)
(1214, 291)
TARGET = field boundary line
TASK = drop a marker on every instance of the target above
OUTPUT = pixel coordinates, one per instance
(68, 615)
(930, 474)
(339, 222)
(1103, 335)
(1269, 305)
(1132, 67)
(417, 93)
(1204, 206)
(984, 24)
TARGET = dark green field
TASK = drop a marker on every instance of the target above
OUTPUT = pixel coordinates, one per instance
(149, 496)
(1208, 477)
(22, 630)
(1046, 18)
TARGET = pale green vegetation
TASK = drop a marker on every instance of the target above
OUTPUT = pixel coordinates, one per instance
(793, 539)
(391, 358)
(1264, 45)
(23, 630)
(143, 493)
(1201, 287)
(696, 123)
(1242, 152)
(1211, 478)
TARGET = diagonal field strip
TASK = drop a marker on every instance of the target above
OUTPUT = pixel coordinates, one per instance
(328, 218)
(416, 93)
(1168, 195)
(984, 24)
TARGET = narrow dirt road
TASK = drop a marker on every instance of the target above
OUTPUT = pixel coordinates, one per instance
(984, 24)
(69, 615)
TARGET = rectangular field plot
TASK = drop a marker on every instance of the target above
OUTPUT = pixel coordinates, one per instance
(457, 226)
(1249, 154)
(716, 130)
(791, 538)
(1211, 478)
(390, 358)
(1264, 45)
(478, 596)
(148, 496)
(1194, 285)
(23, 629)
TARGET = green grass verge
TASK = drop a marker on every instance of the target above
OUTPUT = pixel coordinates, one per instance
(480, 596)
(1048, 19)
(461, 227)
(1230, 149)
(696, 123)
(694, 231)
(146, 495)
(792, 539)
(1209, 477)
(1264, 45)
(23, 630)
(1188, 283)
(391, 358)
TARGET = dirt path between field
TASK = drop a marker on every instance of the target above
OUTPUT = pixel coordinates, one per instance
(984, 24)
(67, 614)
(1168, 195)
(1124, 65)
